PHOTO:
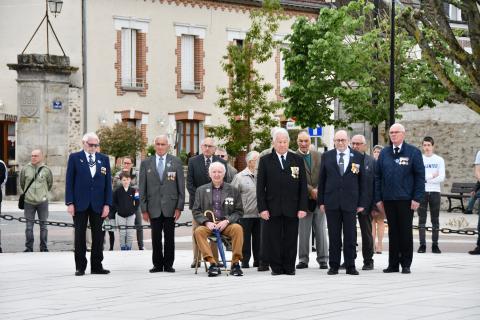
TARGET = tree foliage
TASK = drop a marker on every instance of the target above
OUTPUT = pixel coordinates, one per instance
(120, 140)
(457, 69)
(344, 56)
(249, 113)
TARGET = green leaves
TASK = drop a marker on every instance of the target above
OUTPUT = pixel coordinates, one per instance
(120, 140)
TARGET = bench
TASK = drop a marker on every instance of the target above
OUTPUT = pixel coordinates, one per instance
(459, 191)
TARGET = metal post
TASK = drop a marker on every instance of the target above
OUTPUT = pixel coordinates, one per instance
(392, 64)
(48, 22)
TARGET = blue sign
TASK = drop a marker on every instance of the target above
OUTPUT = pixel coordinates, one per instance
(57, 105)
(315, 132)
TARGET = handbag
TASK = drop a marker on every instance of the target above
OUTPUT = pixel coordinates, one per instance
(21, 199)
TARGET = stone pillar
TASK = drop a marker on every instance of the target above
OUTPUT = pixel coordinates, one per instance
(43, 83)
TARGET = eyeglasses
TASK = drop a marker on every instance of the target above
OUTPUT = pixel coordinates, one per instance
(395, 132)
(357, 143)
(341, 140)
(92, 145)
(222, 155)
(127, 163)
(208, 146)
(160, 144)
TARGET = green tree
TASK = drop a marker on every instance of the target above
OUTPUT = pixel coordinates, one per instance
(245, 103)
(120, 140)
(344, 56)
(457, 69)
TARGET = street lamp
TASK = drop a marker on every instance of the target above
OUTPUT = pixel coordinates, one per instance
(55, 7)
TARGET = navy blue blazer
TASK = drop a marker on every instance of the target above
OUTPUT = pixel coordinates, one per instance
(342, 192)
(81, 189)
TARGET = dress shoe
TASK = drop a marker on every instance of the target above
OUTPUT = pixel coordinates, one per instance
(245, 265)
(274, 273)
(214, 270)
(220, 265)
(378, 252)
(352, 271)
(475, 251)
(422, 248)
(236, 270)
(79, 273)
(1, 251)
(28, 250)
(100, 271)
(290, 273)
(44, 250)
(342, 266)
(406, 270)
(332, 271)
(390, 270)
(168, 269)
(301, 265)
(368, 266)
(323, 265)
(193, 264)
(263, 268)
(141, 248)
(468, 211)
(436, 249)
(156, 269)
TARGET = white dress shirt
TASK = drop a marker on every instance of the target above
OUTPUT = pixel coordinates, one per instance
(346, 158)
(280, 158)
(93, 168)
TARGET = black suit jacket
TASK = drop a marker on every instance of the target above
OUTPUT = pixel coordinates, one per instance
(369, 177)
(282, 192)
(341, 192)
(198, 176)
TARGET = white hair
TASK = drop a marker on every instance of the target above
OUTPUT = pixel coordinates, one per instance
(213, 141)
(399, 126)
(252, 154)
(362, 137)
(279, 132)
(216, 164)
(161, 136)
(89, 135)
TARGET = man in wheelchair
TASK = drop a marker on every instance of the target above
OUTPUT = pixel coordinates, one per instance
(225, 202)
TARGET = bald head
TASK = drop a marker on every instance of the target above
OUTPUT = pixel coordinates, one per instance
(36, 156)
(341, 140)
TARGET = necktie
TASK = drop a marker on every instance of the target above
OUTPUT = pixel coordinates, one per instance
(160, 168)
(284, 163)
(341, 164)
(207, 164)
(397, 150)
(308, 160)
(91, 163)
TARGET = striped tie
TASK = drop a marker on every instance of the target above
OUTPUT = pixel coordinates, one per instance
(91, 163)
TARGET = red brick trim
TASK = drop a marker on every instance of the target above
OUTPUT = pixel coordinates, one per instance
(278, 90)
(178, 68)
(183, 115)
(199, 71)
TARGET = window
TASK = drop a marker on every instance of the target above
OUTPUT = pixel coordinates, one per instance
(129, 59)
(283, 82)
(455, 14)
(188, 136)
(188, 63)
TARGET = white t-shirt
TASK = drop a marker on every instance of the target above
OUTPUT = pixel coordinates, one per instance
(477, 158)
(433, 164)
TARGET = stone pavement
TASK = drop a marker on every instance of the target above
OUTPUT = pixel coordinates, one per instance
(42, 286)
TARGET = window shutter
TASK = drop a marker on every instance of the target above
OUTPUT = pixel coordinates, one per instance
(187, 62)
(126, 57)
(133, 60)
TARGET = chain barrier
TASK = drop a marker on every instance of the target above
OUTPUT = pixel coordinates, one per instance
(107, 227)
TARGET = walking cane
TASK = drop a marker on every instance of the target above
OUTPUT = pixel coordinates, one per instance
(216, 232)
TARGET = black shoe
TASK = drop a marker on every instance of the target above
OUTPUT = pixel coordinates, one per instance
(301, 265)
(436, 249)
(193, 264)
(214, 270)
(44, 250)
(1, 251)
(79, 273)
(141, 248)
(100, 271)
(342, 266)
(236, 270)
(368, 266)
(290, 273)
(245, 265)
(468, 211)
(323, 265)
(28, 250)
(352, 271)
(220, 265)
(390, 270)
(406, 270)
(274, 273)
(332, 271)
(255, 263)
(156, 269)
(263, 268)
(475, 251)
(422, 248)
(169, 269)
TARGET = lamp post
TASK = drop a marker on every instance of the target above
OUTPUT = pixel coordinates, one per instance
(392, 64)
(55, 7)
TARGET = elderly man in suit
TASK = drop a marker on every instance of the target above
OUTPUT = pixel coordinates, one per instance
(359, 144)
(198, 176)
(314, 217)
(162, 197)
(226, 204)
(282, 199)
(340, 195)
(399, 189)
(88, 195)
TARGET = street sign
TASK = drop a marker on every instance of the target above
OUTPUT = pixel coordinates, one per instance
(57, 105)
(315, 132)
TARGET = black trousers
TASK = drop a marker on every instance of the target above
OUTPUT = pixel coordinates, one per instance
(281, 235)
(400, 234)
(433, 200)
(251, 239)
(163, 255)
(365, 221)
(336, 221)
(263, 250)
(80, 220)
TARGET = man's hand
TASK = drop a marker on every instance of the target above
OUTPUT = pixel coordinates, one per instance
(322, 208)
(380, 206)
(314, 194)
(414, 206)
(71, 209)
(301, 214)
(146, 216)
(177, 214)
(360, 209)
(222, 225)
(105, 211)
(210, 225)
(265, 215)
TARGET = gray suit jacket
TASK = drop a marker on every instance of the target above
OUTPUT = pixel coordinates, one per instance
(203, 201)
(312, 172)
(157, 197)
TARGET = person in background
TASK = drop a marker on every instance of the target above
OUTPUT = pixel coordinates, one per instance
(3, 180)
(378, 216)
(434, 176)
(231, 171)
(477, 176)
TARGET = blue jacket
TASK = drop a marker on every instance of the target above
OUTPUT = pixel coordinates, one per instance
(81, 189)
(400, 177)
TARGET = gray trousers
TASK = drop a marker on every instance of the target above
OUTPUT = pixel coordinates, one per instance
(126, 235)
(317, 220)
(29, 212)
(138, 223)
(432, 200)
